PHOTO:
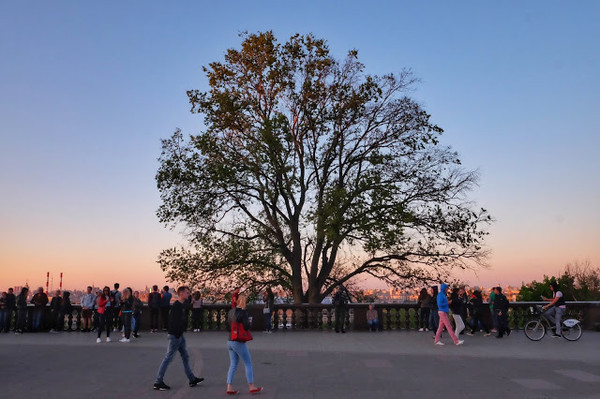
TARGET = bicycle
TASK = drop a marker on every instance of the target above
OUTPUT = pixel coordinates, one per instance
(536, 329)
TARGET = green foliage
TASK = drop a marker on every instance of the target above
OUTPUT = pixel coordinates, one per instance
(578, 282)
(311, 172)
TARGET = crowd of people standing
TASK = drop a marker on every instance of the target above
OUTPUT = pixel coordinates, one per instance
(467, 310)
(105, 310)
(110, 310)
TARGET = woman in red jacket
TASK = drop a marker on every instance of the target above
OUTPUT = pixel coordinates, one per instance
(104, 314)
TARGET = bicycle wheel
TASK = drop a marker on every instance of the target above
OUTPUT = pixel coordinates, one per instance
(572, 333)
(535, 330)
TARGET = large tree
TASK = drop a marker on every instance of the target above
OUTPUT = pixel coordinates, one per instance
(309, 172)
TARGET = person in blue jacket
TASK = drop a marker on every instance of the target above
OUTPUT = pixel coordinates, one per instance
(443, 310)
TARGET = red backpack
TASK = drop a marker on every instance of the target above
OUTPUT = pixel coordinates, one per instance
(239, 333)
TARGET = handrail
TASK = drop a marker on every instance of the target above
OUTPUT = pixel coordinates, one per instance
(392, 316)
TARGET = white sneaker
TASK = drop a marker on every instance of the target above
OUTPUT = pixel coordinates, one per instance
(439, 343)
(460, 342)
(107, 339)
(98, 340)
(123, 340)
(420, 329)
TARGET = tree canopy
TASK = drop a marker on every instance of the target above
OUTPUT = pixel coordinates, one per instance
(578, 282)
(310, 172)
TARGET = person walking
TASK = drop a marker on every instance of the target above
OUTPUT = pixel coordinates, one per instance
(442, 303)
(177, 324)
(104, 314)
(237, 319)
(455, 305)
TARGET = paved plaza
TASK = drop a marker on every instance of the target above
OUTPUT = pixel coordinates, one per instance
(302, 365)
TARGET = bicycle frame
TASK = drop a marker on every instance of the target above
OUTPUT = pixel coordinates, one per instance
(569, 326)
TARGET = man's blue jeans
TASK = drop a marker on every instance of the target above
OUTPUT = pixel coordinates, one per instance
(176, 344)
(38, 317)
(4, 320)
(434, 320)
(373, 324)
(237, 350)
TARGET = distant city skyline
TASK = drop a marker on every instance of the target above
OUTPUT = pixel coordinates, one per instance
(89, 90)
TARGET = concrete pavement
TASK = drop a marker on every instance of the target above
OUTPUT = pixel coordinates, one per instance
(311, 364)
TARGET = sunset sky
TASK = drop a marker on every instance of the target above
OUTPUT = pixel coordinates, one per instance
(88, 89)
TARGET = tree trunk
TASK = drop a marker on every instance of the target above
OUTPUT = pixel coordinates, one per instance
(314, 295)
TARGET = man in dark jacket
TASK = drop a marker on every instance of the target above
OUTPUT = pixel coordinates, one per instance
(478, 308)
(456, 306)
(154, 306)
(21, 311)
(177, 325)
(11, 306)
(339, 302)
(501, 310)
(55, 311)
(39, 301)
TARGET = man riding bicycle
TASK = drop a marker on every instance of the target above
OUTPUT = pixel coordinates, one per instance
(556, 308)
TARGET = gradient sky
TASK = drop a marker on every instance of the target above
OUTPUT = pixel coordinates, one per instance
(88, 89)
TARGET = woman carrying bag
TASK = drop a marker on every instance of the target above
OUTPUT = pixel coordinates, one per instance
(238, 325)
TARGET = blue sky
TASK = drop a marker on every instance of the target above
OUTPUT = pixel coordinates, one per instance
(88, 89)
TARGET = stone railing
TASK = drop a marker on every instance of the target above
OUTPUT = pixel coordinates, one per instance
(392, 316)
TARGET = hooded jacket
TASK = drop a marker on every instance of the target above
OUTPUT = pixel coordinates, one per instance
(442, 301)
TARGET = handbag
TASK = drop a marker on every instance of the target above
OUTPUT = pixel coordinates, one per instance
(239, 333)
